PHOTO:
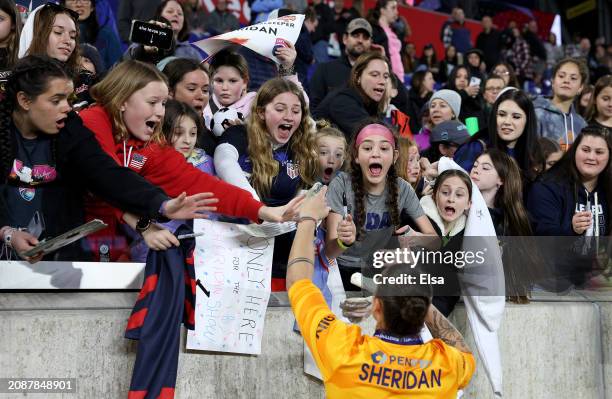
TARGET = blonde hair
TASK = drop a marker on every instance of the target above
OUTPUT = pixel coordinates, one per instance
(118, 86)
(326, 129)
(402, 160)
(302, 143)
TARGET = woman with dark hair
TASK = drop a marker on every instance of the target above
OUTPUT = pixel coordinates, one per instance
(573, 199)
(103, 37)
(513, 130)
(450, 61)
(472, 103)
(189, 82)
(558, 200)
(599, 111)
(364, 97)
(169, 13)
(421, 91)
(382, 17)
(400, 311)
(499, 180)
(49, 161)
(506, 71)
(429, 59)
(582, 101)
(10, 29)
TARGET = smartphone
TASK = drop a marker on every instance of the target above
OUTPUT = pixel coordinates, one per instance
(474, 81)
(151, 35)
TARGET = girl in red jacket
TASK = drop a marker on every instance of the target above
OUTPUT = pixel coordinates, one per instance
(127, 123)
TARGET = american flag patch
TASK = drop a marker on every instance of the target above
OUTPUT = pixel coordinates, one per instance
(138, 161)
(293, 170)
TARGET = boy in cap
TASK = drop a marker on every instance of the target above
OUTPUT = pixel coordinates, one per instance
(445, 139)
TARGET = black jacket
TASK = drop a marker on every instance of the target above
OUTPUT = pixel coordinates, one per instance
(346, 109)
(83, 166)
(328, 77)
(380, 37)
(490, 45)
(334, 75)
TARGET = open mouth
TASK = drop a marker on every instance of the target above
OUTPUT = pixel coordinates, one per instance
(151, 125)
(449, 211)
(375, 169)
(60, 123)
(379, 91)
(285, 130)
(327, 174)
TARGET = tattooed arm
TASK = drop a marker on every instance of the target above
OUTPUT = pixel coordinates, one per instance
(440, 327)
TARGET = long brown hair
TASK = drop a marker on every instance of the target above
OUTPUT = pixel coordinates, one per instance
(359, 189)
(43, 25)
(8, 6)
(566, 172)
(360, 65)
(602, 83)
(302, 143)
(509, 196)
(114, 90)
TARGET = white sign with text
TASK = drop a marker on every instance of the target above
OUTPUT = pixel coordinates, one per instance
(235, 269)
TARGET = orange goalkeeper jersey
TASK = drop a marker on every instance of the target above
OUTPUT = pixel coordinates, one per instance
(360, 366)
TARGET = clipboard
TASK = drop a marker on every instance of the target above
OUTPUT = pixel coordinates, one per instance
(53, 244)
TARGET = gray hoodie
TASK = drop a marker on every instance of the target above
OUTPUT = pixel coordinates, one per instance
(554, 124)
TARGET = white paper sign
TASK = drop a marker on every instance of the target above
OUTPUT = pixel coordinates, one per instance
(236, 269)
(261, 38)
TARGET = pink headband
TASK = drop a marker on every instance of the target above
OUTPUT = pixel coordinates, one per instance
(374, 129)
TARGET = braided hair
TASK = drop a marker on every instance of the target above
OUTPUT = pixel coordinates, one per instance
(359, 189)
(31, 75)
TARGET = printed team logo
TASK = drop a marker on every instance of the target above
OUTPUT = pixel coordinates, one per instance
(36, 175)
(27, 193)
(137, 161)
(293, 170)
(379, 357)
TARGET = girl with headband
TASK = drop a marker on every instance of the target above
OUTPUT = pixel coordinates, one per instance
(366, 203)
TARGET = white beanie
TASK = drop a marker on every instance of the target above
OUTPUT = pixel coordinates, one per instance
(27, 33)
(451, 97)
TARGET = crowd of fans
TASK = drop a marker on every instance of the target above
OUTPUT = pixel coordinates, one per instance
(147, 128)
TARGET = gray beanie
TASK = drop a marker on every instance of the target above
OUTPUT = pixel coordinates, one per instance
(452, 98)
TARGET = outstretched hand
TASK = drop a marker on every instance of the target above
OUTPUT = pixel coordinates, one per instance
(283, 213)
(315, 206)
(189, 207)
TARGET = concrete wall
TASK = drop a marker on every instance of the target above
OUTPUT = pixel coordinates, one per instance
(549, 350)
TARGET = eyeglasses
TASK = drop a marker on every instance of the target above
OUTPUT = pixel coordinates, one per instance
(62, 10)
(501, 73)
